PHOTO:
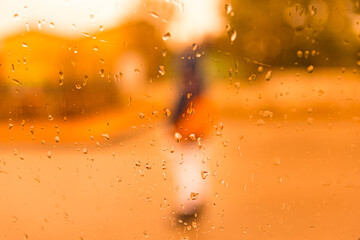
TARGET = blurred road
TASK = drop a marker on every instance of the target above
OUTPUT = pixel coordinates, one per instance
(272, 176)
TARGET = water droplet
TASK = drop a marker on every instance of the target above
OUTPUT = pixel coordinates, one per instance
(61, 74)
(106, 136)
(10, 126)
(49, 154)
(233, 36)
(277, 161)
(192, 137)
(166, 36)
(57, 139)
(164, 53)
(141, 115)
(85, 80)
(85, 151)
(162, 70)
(268, 75)
(153, 14)
(50, 117)
(167, 112)
(199, 143)
(101, 27)
(17, 82)
(52, 25)
(178, 137)
(27, 27)
(102, 74)
(228, 8)
(310, 68)
(96, 48)
(194, 47)
(310, 120)
(204, 174)
(300, 53)
(194, 196)
(16, 15)
(24, 45)
(260, 69)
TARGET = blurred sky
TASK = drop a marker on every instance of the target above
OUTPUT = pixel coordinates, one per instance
(192, 19)
(69, 17)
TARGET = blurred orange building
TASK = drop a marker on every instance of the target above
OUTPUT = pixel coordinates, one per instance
(41, 74)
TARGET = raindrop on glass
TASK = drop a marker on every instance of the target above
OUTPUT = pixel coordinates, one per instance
(162, 70)
(166, 36)
(268, 75)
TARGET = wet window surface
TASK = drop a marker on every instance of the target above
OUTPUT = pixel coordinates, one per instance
(179, 119)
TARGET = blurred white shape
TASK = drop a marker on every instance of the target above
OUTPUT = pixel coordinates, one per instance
(194, 20)
(132, 66)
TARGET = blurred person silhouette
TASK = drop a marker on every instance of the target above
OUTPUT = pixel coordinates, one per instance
(192, 115)
(191, 123)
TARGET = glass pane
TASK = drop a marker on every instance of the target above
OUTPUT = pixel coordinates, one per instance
(179, 119)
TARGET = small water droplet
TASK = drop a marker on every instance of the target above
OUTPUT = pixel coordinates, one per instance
(162, 70)
(300, 53)
(166, 36)
(192, 137)
(61, 74)
(49, 155)
(57, 139)
(106, 136)
(17, 82)
(204, 174)
(194, 47)
(85, 151)
(102, 72)
(24, 45)
(78, 86)
(310, 120)
(52, 25)
(85, 80)
(27, 27)
(260, 69)
(228, 8)
(153, 14)
(268, 75)
(194, 196)
(141, 115)
(310, 68)
(233, 36)
(167, 112)
(178, 137)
